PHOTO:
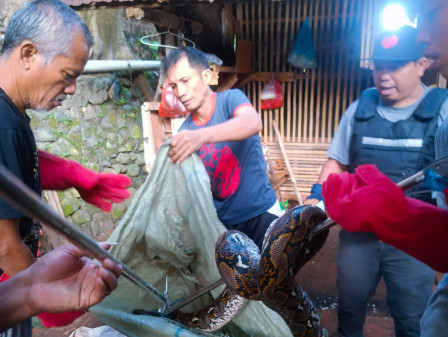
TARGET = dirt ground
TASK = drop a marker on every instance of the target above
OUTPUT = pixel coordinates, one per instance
(318, 278)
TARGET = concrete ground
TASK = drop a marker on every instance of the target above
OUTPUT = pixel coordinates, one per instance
(318, 279)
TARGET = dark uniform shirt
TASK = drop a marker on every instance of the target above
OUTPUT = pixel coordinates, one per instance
(18, 153)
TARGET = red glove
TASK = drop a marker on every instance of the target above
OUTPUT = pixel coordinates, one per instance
(95, 188)
(357, 201)
(50, 319)
(369, 201)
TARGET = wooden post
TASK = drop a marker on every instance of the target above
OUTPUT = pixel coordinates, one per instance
(288, 166)
(54, 237)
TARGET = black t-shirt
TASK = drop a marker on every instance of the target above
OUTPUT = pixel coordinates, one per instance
(18, 153)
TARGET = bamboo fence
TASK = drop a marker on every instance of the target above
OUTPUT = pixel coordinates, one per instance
(343, 32)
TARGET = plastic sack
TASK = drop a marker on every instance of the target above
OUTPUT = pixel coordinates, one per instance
(303, 54)
(170, 106)
(169, 234)
(273, 95)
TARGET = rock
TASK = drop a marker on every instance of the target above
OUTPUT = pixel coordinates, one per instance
(118, 210)
(123, 158)
(140, 160)
(81, 217)
(119, 168)
(70, 205)
(62, 148)
(133, 170)
(44, 135)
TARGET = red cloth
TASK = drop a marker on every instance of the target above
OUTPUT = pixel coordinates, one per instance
(369, 201)
(50, 320)
(95, 188)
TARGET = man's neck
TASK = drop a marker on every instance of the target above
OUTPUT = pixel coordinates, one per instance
(9, 84)
(203, 113)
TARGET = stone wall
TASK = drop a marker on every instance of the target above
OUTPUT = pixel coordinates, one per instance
(101, 134)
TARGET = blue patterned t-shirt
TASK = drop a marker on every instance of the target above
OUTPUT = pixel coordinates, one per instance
(237, 169)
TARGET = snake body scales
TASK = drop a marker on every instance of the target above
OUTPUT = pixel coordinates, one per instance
(270, 277)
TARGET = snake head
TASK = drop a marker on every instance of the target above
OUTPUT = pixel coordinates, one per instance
(237, 258)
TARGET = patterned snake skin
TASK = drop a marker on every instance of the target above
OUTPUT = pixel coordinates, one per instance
(269, 277)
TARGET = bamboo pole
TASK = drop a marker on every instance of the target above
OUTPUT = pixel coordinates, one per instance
(285, 157)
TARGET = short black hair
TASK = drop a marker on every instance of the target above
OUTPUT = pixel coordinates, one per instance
(196, 59)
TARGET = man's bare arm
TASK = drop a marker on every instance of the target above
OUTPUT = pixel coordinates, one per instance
(15, 256)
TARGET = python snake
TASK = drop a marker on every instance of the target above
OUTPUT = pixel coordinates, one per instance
(266, 277)
(270, 277)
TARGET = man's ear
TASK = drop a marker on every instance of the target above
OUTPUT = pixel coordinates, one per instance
(207, 76)
(28, 53)
(422, 64)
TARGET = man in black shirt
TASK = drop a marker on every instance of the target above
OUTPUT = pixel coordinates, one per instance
(45, 48)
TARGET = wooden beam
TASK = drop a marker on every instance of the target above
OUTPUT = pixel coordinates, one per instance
(246, 81)
(167, 20)
(288, 76)
(229, 82)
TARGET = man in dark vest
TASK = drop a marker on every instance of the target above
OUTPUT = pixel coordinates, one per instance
(368, 201)
(392, 126)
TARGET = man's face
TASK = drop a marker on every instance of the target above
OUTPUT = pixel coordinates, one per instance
(433, 31)
(397, 81)
(189, 86)
(50, 83)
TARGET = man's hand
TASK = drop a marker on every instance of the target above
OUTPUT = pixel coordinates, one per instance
(98, 189)
(64, 280)
(184, 144)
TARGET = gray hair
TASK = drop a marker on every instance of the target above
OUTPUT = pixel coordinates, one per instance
(50, 24)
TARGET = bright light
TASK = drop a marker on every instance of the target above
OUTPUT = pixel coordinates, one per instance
(394, 17)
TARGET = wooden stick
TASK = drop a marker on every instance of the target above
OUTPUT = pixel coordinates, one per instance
(288, 166)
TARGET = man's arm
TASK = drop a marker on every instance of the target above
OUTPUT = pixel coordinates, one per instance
(330, 166)
(245, 124)
(15, 256)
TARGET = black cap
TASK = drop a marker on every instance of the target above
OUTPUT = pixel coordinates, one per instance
(399, 45)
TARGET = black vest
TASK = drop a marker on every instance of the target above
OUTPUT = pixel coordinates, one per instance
(398, 149)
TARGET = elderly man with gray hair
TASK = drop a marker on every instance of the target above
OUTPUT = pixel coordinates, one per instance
(46, 47)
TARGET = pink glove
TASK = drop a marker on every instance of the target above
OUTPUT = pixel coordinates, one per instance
(369, 201)
(50, 319)
(4, 277)
(95, 188)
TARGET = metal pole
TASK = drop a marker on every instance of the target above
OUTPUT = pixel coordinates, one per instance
(106, 66)
(16, 193)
